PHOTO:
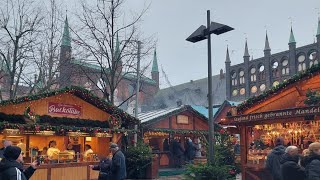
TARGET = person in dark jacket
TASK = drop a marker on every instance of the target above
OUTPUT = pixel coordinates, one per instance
(177, 152)
(5, 144)
(273, 159)
(118, 166)
(290, 170)
(190, 151)
(104, 168)
(312, 162)
(11, 167)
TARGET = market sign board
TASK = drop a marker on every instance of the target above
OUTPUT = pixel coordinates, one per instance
(279, 114)
(64, 109)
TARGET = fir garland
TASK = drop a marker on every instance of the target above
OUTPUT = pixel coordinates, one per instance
(312, 71)
(82, 94)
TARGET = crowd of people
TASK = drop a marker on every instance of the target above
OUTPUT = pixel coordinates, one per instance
(285, 163)
(11, 164)
(186, 154)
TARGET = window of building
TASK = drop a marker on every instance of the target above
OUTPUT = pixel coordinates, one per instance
(234, 92)
(301, 62)
(275, 69)
(234, 81)
(253, 76)
(241, 77)
(242, 91)
(262, 87)
(313, 59)
(275, 83)
(285, 67)
(254, 89)
(261, 74)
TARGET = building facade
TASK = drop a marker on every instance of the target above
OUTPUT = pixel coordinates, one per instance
(255, 76)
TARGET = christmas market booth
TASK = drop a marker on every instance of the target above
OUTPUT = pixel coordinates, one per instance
(66, 129)
(160, 127)
(290, 110)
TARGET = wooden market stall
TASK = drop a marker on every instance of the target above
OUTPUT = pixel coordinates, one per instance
(70, 116)
(290, 110)
(161, 126)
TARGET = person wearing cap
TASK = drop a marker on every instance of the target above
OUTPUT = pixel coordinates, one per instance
(273, 159)
(312, 162)
(11, 167)
(5, 143)
(290, 168)
(118, 166)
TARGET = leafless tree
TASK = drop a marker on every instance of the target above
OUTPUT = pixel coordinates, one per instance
(101, 24)
(19, 23)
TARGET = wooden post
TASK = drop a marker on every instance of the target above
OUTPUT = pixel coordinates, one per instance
(243, 149)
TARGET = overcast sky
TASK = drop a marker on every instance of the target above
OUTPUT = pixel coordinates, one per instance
(172, 21)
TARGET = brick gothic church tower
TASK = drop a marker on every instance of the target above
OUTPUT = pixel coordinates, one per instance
(65, 57)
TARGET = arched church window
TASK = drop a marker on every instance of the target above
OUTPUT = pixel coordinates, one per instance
(285, 66)
(242, 91)
(301, 62)
(253, 76)
(275, 69)
(241, 77)
(234, 81)
(275, 83)
(261, 73)
(262, 87)
(254, 89)
(313, 58)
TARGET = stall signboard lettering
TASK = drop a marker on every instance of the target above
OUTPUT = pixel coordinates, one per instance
(279, 114)
(64, 109)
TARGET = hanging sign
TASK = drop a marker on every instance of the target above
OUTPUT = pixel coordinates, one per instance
(64, 109)
(279, 114)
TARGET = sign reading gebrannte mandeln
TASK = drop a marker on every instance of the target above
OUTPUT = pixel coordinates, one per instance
(64, 109)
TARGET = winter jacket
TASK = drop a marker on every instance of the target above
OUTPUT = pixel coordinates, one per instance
(1, 153)
(104, 168)
(177, 149)
(12, 170)
(273, 162)
(190, 151)
(312, 163)
(290, 170)
(118, 167)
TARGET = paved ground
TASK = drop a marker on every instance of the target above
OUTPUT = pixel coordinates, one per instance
(179, 177)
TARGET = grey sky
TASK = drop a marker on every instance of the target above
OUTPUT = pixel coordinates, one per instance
(172, 21)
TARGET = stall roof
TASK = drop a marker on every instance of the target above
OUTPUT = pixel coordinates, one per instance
(152, 116)
(80, 93)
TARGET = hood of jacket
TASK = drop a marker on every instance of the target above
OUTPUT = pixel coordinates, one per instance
(278, 150)
(310, 158)
(6, 164)
(286, 158)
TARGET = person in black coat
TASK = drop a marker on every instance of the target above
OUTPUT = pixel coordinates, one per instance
(290, 170)
(177, 152)
(190, 151)
(118, 166)
(312, 162)
(104, 168)
(273, 159)
(11, 167)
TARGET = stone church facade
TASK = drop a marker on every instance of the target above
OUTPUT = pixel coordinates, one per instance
(253, 77)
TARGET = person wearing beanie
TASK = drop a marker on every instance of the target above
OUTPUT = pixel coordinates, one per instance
(11, 167)
(273, 159)
(312, 162)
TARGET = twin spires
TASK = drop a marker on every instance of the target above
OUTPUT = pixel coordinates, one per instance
(155, 62)
(66, 40)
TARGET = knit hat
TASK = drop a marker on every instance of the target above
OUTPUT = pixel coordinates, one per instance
(12, 152)
(279, 141)
(113, 145)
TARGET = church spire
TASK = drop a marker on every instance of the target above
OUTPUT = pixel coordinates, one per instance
(266, 45)
(117, 49)
(155, 62)
(66, 40)
(246, 50)
(292, 39)
(227, 56)
(318, 30)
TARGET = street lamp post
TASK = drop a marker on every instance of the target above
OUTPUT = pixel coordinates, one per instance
(200, 34)
(137, 93)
